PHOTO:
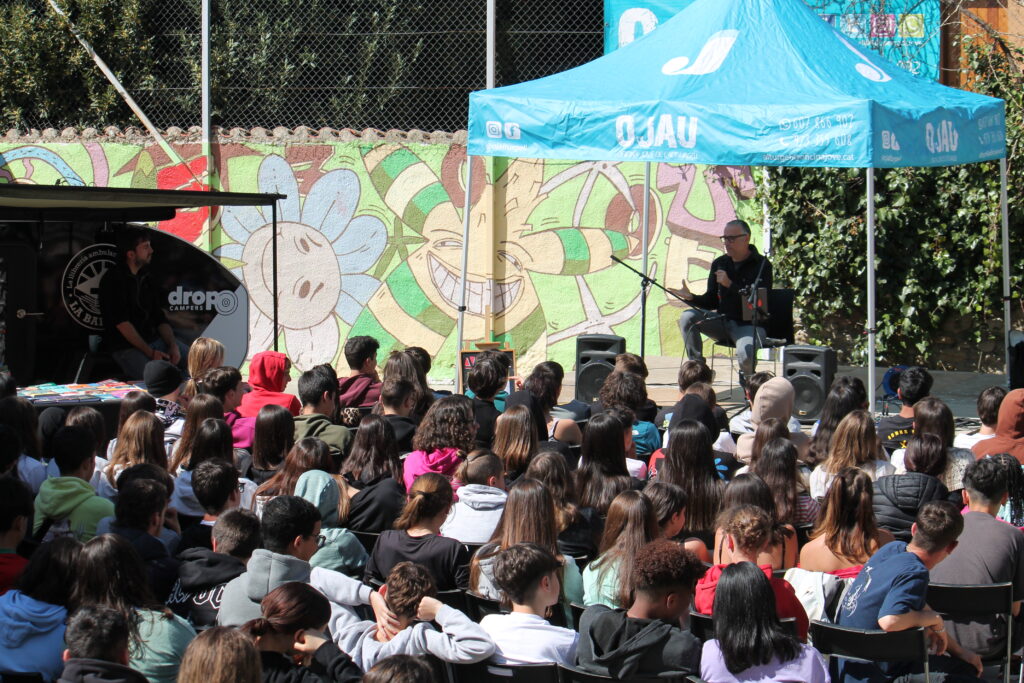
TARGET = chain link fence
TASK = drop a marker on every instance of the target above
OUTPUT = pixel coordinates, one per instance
(357, 64)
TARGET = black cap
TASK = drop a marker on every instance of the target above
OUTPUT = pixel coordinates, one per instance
(161, 377)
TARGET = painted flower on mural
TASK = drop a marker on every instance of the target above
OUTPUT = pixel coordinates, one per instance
(323, 253)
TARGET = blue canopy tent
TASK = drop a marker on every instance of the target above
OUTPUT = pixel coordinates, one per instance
(761, 83)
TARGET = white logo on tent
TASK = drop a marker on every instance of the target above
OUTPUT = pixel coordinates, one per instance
(889, 141)
(708, 61)
(866, 68)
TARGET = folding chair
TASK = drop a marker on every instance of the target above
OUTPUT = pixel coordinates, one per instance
(367, 539)
(570, 674)
(488, 672)
(869, 646)
(480, 607)
(978, 601)
(577, 613)
(778, 326)
(702, 626)
(454, 598)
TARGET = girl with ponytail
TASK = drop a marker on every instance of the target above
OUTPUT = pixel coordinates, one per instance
(416, 537)
(291, 640)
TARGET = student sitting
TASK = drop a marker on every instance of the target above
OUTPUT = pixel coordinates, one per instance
(626, 391)
(749, 489)
(226, 384)
(416, 536)
(486, 378)
(750, 643)
(293, 622)
(138, 517)
(318, 391)
(481, 499)
(374, 470)
(362, 387)
(401, 669)
(269, 373)
(68, 502)
(203, 573)
(749, 531)
(215, 487)
(988, 404)
(647, 638)
(221, 655)
(527, 575)
(397, 402)
(15, 516)
(409, 592)
(443, 439)
(631, 524)
(97, 647)
(669, 503)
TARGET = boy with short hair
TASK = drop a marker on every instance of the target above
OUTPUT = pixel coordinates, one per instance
(648, 639)
(226, 384)
(203, 573)
(69, 502)
(485, 379)
(482, 498)
(409, 592)
(398, 399)
(215, 486)
(362, 387)
(989, 401)
(318, 391)
(138, 517)
(894, 431)
(528, 576)
(97, 640)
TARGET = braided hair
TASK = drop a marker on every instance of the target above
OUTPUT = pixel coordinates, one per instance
(1014, 487)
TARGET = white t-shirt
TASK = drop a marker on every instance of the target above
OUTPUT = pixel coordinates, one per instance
(966, 441)
(521, 638)
(821, 480)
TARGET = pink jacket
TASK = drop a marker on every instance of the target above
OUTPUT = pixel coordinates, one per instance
(444, 461)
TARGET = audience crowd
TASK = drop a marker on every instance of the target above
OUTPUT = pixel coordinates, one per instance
(371, 528)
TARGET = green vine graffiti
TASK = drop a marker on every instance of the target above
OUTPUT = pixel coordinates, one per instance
(938, 253)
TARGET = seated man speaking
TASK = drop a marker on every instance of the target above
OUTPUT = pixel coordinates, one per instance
(135, 330)
(718, 313)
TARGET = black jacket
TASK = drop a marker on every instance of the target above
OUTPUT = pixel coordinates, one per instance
(898, 497)
(202, 576)
(376, 506)
(129, 298)
(160, 566)
(612, 644)
(405, 428)
(96, 670)
(581, 538)
(727, 300)
(329, 665)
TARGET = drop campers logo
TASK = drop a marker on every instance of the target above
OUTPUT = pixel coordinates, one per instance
(80, 284)
(180, 299)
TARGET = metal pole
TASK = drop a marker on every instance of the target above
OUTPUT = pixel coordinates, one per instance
(1005, 221)
(465, 264)
(273, 263)
(207, 128)
(643, 246)
(871, 289)
(492, 29)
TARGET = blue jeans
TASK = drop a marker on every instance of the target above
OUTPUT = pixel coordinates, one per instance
(133, 361)
(696, 322)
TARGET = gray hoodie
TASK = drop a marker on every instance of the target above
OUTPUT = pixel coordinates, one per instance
(267, 570)
(460, 641)
(474, 517)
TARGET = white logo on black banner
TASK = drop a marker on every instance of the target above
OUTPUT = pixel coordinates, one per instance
(80, 285)
(224, 302)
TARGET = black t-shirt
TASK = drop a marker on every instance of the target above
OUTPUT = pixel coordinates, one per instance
(728, 300)
(404, 428)
(129, 298)
(196, 536)
(581, 538)
(485, 415)
(376, 506)
(895, 431)
(446, 559)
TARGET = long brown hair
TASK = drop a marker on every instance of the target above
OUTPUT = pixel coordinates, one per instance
(429, 495)
(690, 464)
(308, 454)
(221, 655)
(20, 415)
(374, 453)
(777, 467)
(91, 420)
(200, 408)
(405, 365)
(448, 424)
(855, 442)
(274, 437)
(550, 469)
(204, 354)
(602, 473)
(847, 518)
(515, 438)
(770, 428)
(133, 402)
(140, 440)
(631, 525)
(933, 416)
(529, 516)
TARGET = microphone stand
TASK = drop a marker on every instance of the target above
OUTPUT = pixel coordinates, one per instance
(645, 282)
(755, 308)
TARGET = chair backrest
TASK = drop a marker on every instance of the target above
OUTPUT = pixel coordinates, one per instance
(869, 645)
(22, 678)
(780, 314)
(702, 626)
(573, 675)
(473, 547)
(454, 598)
(581, 561)
(488, 672)
(577, 612)
(367, 539)
(986, 599)
(479, 606)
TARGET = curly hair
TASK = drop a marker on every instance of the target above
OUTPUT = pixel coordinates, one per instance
(447, 424)
(407, 584)
(663, 565)
(750, 526)
(623, 390)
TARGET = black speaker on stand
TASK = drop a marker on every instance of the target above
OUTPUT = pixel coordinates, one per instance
(811, 370)
(595, 360)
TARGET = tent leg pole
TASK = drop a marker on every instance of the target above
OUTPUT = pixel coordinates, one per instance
(645, 220)
(273, 263)
(465, 266)
(871, 288)
(1005, 229)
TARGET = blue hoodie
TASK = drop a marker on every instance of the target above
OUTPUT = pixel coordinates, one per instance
(31, 635)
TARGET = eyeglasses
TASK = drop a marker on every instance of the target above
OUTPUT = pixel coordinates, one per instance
(732, 238)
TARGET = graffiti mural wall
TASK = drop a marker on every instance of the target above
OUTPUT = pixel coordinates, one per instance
(371, 239)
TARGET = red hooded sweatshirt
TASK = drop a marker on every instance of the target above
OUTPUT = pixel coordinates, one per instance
(1009, 436)
(268, 377)
(787, 605)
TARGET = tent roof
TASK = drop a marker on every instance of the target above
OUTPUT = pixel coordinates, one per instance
(72, 202)
(746, 82)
